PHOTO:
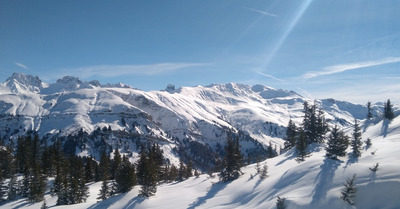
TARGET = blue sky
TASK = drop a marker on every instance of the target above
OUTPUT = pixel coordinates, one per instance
(348, 50)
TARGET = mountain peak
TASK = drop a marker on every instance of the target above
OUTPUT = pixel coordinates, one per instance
(21, 83)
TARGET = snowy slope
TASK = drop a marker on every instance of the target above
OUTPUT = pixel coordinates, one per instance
(200, 114)
(315, 183)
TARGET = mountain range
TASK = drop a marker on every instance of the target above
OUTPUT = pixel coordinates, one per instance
(193, 123)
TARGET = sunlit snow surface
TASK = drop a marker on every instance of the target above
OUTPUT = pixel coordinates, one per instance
(315, 183)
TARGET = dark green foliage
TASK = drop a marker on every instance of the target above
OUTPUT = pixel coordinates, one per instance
(314, 124)
(44, 205)
(182, 171)
(356, 143)
(291, 133)
(368, 143)
(388, 110)
(12, 188)
(78, 191)
(349, 191)
(125, 176)
(37, 184)
(369, 114)
(116, 162)
(301, 147)
(90, 169)
(105, 174)
(263, 172)
(232, 161)
(147, 175)
(337, 144)
(280, 203)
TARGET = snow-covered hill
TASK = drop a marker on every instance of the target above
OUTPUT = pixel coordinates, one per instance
(314, 183)
(186, 117)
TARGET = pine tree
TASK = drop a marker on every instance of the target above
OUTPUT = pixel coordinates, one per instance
(301, 147)
(61, 184)
(337, 144)
(369, 114)
(173, 173)
(232, 161)
(280, 203)
(189, 169)
(105, 173)
(182, 170)
(291, 133)
(147, 175)
(12, 188)
(115, 163)
(314, 124)
(264, 171)
(125, 177)
(356, 142)
(349, 191)
(44, 205)
(368, 143)
(78, 189)
(388, 110)
(89, 169)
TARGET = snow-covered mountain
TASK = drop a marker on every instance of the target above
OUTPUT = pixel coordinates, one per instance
(176, 118)
(315, 183)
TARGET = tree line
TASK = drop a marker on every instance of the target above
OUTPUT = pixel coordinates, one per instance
(25, 172)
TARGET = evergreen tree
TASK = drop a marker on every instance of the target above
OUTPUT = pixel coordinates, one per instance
(25, 189)
(37, 185)
(356, 143)
(369, 114)
(105, 173)
(368, 143)
(147, 175)
(105, 190)
(301, 146)
(62, 186)
(12, 188)
(173, 173)
(156, 156)
(337, 144)
(388, 110)
(349, 191)
(291, 134)
(280, 203)
(115, 163)
(44, 205)
(182, 170)
(264, 171)
(90, 169)
(314, 124)
(189, 169)
(232, 161)
(125, 177)
(78, 191)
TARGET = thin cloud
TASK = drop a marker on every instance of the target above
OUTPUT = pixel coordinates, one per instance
(270, 76)
(351, 66)
(124, 70)
(261, 12)
(21, 65)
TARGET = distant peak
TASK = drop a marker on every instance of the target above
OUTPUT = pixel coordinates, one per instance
(20, 83)
(69, 80)
(170, 88)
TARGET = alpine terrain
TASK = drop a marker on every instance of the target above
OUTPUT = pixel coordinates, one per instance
(115, 125)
